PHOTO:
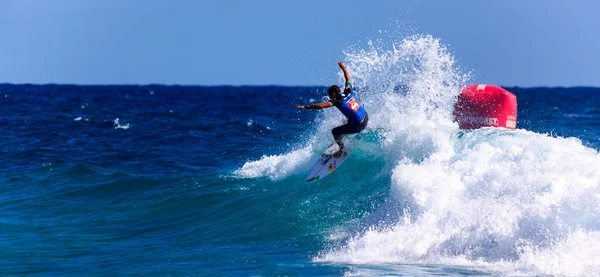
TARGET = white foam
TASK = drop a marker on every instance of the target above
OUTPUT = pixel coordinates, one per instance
(574, 255)
(507, 201)
(277, 166)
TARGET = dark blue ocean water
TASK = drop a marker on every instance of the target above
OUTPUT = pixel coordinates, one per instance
(146, 181)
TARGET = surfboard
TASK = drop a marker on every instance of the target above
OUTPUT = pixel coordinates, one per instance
(328, 162)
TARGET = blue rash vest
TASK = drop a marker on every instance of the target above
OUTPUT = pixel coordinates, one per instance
(349, 106)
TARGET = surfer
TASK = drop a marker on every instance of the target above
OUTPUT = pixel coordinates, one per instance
(347, 104)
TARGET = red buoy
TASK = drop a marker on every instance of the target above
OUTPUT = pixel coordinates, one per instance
(485, 106)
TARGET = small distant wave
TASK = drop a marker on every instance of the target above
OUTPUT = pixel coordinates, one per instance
(253, 124)
(119, 126)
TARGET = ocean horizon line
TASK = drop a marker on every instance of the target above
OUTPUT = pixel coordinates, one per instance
(265, 85)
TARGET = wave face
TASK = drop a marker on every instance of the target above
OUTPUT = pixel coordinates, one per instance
(195, 181)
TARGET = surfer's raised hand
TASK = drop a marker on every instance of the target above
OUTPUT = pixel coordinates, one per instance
(346, 74)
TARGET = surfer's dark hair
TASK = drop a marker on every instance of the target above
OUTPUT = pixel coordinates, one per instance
(335, 89)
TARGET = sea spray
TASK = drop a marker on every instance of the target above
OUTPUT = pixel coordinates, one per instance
(408, 92)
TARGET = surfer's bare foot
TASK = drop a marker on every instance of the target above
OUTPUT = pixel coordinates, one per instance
(339, 152)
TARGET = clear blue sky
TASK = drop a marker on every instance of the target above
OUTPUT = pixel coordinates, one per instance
(288, 42)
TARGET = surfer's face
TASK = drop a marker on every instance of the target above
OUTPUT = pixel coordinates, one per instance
(333, 95)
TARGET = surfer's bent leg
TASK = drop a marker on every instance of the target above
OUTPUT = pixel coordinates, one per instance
(338, 132)
(347, 129)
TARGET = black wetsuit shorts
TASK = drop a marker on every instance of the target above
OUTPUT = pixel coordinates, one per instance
(351, 128)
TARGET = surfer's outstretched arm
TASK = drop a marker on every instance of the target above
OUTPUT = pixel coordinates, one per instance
(317, 106)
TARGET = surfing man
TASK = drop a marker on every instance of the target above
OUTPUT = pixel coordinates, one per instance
(347, 104)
